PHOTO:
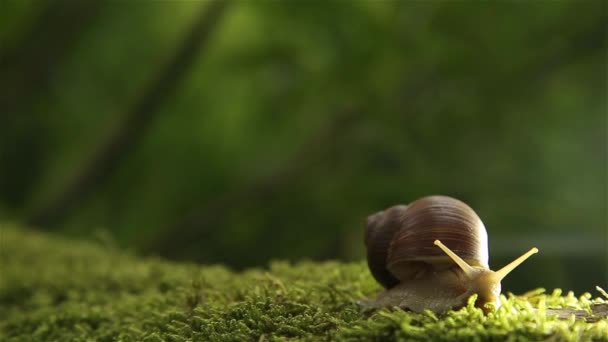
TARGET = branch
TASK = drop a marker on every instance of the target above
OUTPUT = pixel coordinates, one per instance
(26, 67)
(114, 150)
(599, 311)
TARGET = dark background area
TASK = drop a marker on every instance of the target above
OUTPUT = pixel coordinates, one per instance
(240, 132)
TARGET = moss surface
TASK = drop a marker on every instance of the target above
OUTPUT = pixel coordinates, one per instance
(57, 289)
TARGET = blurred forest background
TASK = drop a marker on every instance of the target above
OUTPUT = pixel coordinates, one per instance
(245, 131)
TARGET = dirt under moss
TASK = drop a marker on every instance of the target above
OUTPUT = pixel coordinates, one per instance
(56, 289)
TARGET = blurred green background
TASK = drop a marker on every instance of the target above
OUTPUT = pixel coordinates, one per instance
(240, 132)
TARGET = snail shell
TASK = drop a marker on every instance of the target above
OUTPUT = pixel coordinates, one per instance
(400, 239)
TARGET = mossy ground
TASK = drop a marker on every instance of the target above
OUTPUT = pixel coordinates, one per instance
(55, 289)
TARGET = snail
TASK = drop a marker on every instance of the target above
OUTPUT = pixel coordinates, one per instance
(432, 254)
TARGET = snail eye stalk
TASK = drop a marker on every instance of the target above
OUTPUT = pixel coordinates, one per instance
(502, 273)
(466, 268)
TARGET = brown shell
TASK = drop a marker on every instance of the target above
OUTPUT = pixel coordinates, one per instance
(400, 239)
(379, 232)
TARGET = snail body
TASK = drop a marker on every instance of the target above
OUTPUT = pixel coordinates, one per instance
(432, 254)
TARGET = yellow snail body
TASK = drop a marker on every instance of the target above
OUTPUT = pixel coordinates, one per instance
(432, 254)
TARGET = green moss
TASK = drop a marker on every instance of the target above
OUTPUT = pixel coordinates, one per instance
(57, 289)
